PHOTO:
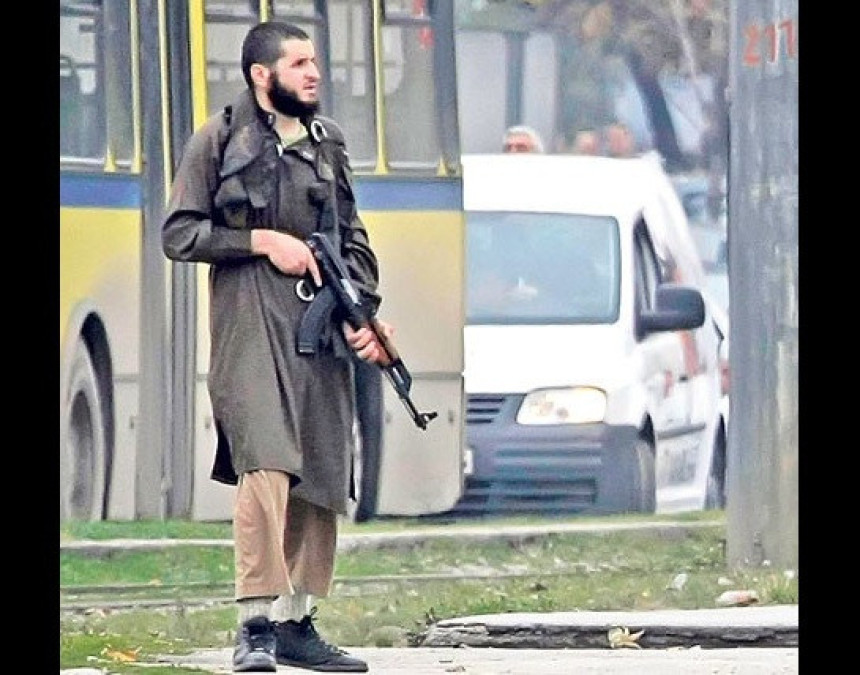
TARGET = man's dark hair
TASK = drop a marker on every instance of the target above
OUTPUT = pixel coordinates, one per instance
(262, 44)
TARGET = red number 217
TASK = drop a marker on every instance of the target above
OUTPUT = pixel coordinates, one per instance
(764, 42)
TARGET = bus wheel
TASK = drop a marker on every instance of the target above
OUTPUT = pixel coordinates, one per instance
(715, 493)
(83, 458)
(645, 491)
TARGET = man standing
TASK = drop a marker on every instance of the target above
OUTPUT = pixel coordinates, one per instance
(251, 187)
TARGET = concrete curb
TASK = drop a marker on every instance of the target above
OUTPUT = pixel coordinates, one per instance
(397, 540)
(766, 626)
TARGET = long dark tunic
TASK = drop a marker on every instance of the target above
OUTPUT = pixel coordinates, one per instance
(273, 408)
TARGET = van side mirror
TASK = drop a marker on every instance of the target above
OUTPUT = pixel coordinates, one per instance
(678, 307)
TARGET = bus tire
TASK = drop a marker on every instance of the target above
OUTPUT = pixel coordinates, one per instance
(83, 446)
(715, 491)
(645, 480)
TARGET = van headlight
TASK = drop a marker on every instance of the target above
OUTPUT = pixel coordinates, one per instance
(574, 405)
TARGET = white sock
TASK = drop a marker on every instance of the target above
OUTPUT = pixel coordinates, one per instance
(250, 607)
(291, 607)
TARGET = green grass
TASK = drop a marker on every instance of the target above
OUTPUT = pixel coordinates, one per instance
(144, 529)
(629, 570)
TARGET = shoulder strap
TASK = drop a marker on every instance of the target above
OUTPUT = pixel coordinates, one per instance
(327, 136)
(226, 130)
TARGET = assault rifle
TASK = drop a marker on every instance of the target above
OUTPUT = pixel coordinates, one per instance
(338, 291)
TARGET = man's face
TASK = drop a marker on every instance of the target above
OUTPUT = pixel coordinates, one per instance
(294, 79)
(519, 143)
(620, 141)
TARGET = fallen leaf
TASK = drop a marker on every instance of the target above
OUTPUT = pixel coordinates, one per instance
(120, 655)
(622, 637)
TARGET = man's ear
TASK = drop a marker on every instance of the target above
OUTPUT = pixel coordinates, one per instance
(260, 74)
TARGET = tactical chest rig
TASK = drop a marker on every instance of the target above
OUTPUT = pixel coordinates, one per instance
(316, 329)
(338, 300)
(323, 312)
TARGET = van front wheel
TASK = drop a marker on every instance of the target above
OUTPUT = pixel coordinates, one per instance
(644, 494)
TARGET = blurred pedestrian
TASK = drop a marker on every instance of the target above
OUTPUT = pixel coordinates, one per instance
(522, 138)
(586, 142)
(248, 192)
(619, 140)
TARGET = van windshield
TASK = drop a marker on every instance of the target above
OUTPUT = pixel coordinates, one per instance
(541, 268)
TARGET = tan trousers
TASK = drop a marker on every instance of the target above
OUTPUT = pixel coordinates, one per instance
(282, 545)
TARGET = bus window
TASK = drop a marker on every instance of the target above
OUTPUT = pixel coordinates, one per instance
(351, 78)
(411, 130)
(118, 82)
(300, 12)
(70, 105)
(96, 82)
(82, 128)
(227, 23)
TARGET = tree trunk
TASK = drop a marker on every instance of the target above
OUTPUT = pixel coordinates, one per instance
(665, 139)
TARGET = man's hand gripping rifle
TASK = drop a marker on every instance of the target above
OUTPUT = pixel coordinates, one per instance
(338, 291)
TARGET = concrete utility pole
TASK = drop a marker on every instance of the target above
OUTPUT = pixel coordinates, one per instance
(152, 412)
(762, 491)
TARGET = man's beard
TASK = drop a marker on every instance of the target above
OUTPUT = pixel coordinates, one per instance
(287, 103)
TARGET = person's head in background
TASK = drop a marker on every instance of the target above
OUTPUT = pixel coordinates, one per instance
(619, 140)
(521, 138)
(586, 142)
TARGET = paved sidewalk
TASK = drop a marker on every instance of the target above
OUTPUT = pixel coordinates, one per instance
(490, 661)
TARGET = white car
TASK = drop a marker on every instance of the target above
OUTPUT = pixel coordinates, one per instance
(591, 358)
(709, 227)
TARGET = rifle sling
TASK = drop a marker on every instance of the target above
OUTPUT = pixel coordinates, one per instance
(315, 324)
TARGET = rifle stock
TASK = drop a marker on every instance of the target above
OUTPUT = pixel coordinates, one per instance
(334, 273)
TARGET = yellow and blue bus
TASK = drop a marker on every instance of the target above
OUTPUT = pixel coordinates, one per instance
(136, 78)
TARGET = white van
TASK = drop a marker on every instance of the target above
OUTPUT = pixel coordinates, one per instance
(591, 358)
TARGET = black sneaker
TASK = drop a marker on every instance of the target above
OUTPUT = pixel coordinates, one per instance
(255, 647)
(298, 644)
